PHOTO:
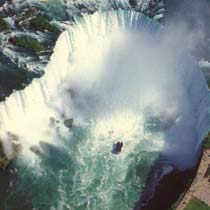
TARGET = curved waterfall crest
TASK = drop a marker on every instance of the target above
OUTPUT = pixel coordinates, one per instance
(37, 97)
(40, 94)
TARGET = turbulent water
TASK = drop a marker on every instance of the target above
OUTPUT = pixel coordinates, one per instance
(119, 78)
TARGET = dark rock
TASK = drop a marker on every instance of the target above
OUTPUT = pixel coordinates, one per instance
(69, 123)
(35, 149)
(52, 122)
(4, 162)
(133, 3)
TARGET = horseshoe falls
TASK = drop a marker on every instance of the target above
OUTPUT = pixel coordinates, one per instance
(118, 75)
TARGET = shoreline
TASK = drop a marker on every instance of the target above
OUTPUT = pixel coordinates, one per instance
(200, 187)
(174, 190)
(171, 186)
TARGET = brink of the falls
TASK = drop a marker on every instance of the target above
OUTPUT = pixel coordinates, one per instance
(121, 78)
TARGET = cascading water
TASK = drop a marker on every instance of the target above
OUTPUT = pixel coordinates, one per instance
(119, 81)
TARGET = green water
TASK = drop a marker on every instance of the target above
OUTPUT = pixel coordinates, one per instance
(76, 175)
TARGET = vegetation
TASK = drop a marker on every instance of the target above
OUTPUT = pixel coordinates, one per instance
(196, 204)
(206, 143)
(27, 42)
(42, 23)
(4, 26)
(30, 12)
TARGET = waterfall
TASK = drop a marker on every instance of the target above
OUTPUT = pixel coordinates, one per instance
(34, 103)
(120, 79)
